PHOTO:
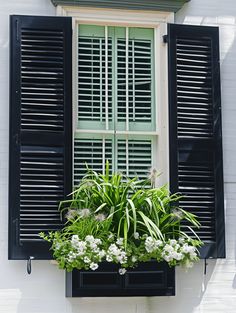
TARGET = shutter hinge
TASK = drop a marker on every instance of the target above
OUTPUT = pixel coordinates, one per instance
(165, 38)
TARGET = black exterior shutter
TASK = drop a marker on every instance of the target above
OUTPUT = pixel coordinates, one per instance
(195, 130)
(40, 173)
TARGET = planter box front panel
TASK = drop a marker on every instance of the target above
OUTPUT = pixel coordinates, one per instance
(148, 279)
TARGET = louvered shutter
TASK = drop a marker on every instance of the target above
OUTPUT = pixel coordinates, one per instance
(195, 129)
(134, 157)
(40, 130)
(93, 153)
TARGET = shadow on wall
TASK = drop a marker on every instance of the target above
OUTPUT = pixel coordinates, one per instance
(190, 289)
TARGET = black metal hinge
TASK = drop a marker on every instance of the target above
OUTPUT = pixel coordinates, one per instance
(165, 38)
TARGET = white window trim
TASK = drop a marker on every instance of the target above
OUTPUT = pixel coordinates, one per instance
(134, 18)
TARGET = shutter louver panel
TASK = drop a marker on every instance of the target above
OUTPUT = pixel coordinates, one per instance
(194, 92)
(139, 80)
(42, 80)
(41, 188)
(196, 183)
(40, 173)
(195, 130)
(91, 79)
(134, 157)
(93, 153)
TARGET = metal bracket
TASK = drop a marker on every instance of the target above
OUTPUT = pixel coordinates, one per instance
(205, 266)
(29, 264)
(165, 38)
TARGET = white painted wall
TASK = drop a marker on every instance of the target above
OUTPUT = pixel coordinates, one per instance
(43, 291)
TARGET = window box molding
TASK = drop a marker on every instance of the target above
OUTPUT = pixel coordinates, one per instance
(147, 279)
(161, 5)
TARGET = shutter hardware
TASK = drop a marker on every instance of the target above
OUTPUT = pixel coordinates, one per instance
(165, 38)
(29, 264)
(205, 266)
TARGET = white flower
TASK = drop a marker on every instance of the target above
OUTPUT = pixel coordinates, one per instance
(177, 256)
(178, 214)
(168, 248)
(71, 256)
(158, 243)
(109, 258)
(101, 253)
(86, 260)
(152, 244)
(110, 237)
(134, 259)
(93, 245)
(71, 214)
(167, 258)
(93, 266)
(89, 238)
(98, 241)
(120, 241)
(173, 242)
(100, 217)
(136, 235)
(84, 213)
(153, 175)
(122, 271)
(57, 246)
(75, 238)
(181, 240)
(188, 249)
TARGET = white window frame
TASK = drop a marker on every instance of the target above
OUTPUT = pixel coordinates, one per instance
(133, 18)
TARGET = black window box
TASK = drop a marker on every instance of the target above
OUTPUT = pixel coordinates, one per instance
(147, 279)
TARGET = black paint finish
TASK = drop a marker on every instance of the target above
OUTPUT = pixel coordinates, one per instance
(148, 279)
(196, 164)
(40, 171)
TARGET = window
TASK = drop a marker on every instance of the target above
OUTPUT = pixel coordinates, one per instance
(40, 171)
(116, 100)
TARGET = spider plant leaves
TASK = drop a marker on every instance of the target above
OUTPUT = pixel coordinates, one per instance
(134, 215)
(129, 205)
(152, 228)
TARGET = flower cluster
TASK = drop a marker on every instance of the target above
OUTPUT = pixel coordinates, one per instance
(116, 254)
(85, 253)
(89, 252)
(180, 251)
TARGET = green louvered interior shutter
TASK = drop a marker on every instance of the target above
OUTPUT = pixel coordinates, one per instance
(196, 166)
(116, 100)
(40, 130)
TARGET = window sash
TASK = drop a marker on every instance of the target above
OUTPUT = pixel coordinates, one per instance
(118, 58)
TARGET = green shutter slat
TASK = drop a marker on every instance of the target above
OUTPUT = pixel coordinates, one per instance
(196, 166)
(134, 157)
(40, 130)
(89, 151)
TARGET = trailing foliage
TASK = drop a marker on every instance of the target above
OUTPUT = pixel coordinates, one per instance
(122, 220)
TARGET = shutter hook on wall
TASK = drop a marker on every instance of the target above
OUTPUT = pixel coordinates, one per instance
(29, 264)
(205, 266)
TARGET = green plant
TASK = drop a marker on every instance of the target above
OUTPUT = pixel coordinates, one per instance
(122, 220)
